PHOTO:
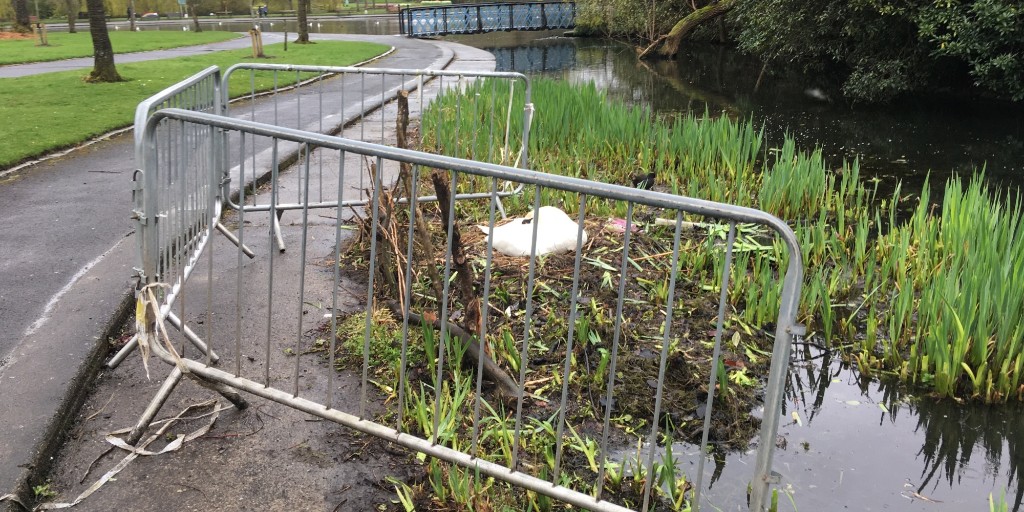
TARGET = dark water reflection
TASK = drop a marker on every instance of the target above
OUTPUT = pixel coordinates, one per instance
(906, 141)
(869, 443)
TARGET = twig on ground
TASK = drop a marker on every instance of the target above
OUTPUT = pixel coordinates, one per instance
(97, 413)
(507, 387)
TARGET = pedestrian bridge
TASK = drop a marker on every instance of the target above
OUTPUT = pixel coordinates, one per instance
(479, 18)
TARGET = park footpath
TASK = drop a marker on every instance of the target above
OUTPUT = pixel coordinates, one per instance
(66, 261)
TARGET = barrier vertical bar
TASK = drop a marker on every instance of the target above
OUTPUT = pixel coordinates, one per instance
(715, 355)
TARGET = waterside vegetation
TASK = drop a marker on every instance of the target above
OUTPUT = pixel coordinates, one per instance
(901, 284)
(897, 285)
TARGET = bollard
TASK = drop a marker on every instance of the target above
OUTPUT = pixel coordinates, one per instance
(257, 43)
(41, 31)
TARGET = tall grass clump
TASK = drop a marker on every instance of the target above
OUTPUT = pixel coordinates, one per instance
(934, 297)
(965, 265)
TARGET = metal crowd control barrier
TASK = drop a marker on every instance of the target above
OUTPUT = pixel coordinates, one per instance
(335, 98)
(194, 177)
(264, 345)
(341, 106)
(480, 18)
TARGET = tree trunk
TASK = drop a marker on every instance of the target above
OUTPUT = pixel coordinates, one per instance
(72, 6)
(191, 6)
(668, 44)
(103, 69)
(303, 25)
(22, 24)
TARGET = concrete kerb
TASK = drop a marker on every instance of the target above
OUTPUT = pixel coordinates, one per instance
(72, 310)
(80, 380)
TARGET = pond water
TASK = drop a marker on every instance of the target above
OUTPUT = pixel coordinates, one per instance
(859, 445)
(905, 141)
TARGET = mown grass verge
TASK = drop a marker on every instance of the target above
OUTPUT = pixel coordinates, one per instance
(55, 110)
(63, 45)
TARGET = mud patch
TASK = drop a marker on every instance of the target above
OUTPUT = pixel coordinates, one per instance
(15, 36)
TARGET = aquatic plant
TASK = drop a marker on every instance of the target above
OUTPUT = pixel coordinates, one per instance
(927, 293)
(934, 298)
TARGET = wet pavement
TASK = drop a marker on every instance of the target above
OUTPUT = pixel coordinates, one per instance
(65, 289)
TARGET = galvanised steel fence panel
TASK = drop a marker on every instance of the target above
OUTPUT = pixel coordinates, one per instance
(480, 18)
(266, 302)
(188, 199)
(338, 100)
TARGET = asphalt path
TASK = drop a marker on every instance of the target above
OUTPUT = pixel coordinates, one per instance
(35, 68)
(62, 215)
(66, 253)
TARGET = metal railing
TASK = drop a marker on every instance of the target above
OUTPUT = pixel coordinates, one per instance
(480, 18)
(336, 97)
(188, 200)
(267, 299)
(338, 100)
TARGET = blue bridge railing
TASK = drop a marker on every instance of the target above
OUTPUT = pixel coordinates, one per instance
(479, 18)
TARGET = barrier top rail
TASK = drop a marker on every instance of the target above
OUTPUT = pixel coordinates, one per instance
(377, 71)
(501, 172)
(150, 105)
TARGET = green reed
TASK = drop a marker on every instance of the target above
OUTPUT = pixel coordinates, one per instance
(934, 298)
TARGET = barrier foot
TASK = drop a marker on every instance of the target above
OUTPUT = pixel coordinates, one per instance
(192, 337)
(233, 239)
(123, 353)
(154, 407)
(276, 221)
(229, 393)
(172, 380)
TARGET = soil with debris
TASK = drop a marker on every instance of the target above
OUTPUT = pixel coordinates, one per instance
(14, 36)
(687, 367)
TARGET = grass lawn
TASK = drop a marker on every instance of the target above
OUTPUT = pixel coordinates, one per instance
(68, 46)
(46, 112)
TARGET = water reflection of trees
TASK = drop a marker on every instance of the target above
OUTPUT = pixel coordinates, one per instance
(905, 141)
(951, 432)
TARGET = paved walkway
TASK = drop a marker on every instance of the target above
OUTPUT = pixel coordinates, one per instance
(35, 68)
(65, 259)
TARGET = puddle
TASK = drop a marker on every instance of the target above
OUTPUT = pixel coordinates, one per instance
(861, 445)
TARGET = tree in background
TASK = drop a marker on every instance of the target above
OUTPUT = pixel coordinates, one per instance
(103, 69)
(72, 7)
(303, 24)
(21, 20)
(192, 7)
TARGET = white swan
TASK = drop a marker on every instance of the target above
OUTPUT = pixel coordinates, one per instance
(556, 232)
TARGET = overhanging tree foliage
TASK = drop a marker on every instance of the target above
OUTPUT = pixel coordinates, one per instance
(987, 35)
(876, 49)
